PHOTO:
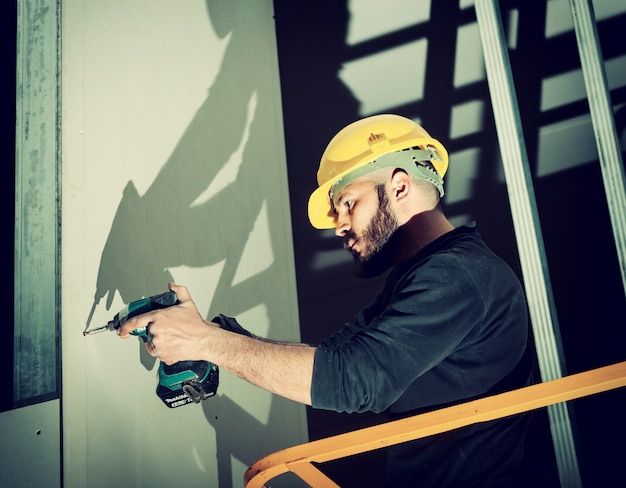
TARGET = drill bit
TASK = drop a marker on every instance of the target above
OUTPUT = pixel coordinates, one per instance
(110, 325)
(95, 331)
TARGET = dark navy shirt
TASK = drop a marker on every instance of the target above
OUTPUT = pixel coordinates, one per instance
(450, 325)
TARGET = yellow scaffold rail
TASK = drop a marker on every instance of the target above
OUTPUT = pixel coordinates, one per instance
(299, 459)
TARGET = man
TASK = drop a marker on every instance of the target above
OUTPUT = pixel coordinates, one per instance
(450, 324)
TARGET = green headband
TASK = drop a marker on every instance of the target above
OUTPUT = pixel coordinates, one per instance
(410, 160)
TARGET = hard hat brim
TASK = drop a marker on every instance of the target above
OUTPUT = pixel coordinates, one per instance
(320, 210)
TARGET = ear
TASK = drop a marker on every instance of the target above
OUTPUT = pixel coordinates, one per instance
(400, 185)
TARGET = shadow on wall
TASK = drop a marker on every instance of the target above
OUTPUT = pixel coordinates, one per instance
(215, 191)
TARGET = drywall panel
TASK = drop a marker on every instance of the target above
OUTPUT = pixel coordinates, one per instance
(31, 454)
(173, 170)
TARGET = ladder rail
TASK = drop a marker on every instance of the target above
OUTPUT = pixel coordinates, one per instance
(528, 232)
(603, 122)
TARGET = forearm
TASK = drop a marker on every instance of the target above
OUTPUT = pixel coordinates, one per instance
(282, 368)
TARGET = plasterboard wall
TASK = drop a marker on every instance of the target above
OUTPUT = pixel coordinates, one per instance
(173, 169)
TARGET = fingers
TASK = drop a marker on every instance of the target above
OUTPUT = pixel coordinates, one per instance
(164, 326)
(151, 348)
(140, 321)
(181, 291)
(155, 353)
(147, 318)
(149, 342)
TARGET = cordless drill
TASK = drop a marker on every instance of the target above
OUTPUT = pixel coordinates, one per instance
(180, 383)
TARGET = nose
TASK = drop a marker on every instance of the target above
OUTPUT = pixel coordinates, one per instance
(342, 225)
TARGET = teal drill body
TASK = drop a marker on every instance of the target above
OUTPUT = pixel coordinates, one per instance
(180, 383)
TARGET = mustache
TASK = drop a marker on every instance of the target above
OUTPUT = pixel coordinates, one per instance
(350, 236)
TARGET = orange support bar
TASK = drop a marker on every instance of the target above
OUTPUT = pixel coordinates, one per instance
(299, 459)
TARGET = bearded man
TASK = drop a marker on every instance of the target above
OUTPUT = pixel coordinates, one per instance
(450, 324)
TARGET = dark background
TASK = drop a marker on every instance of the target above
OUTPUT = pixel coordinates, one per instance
(573, 213)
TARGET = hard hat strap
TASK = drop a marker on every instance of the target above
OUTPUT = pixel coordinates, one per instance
(410, 160)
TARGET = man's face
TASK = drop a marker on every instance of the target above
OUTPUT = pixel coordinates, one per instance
(367, 227)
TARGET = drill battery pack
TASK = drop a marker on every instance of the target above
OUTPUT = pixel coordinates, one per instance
(187, 382)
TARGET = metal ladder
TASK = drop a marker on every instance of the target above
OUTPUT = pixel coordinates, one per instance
(522, 200)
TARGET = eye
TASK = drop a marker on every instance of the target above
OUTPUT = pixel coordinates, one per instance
(347, 204)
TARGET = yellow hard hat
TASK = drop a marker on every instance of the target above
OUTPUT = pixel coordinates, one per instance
(367, 145)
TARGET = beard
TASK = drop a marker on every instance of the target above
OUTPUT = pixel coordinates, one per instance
(378, 241)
